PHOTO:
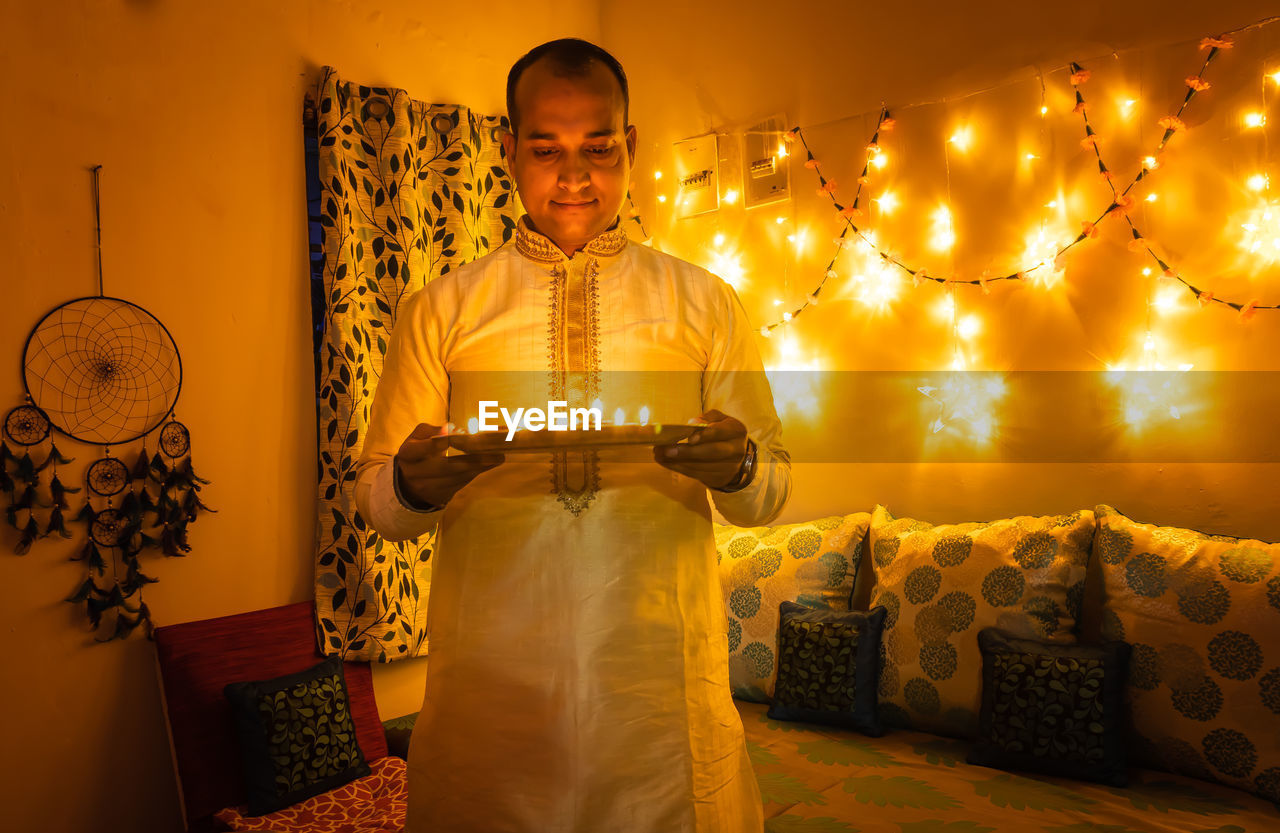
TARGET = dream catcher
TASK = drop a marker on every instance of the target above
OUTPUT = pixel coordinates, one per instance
(105, 372)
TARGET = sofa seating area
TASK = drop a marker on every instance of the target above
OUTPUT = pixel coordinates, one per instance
(823, 779)
(1200, 613)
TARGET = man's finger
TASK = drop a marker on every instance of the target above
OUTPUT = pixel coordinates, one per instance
(451, 466)
(704, 451)
(423, 431)
(424, 441)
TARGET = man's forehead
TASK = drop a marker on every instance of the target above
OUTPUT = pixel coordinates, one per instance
(550, 102)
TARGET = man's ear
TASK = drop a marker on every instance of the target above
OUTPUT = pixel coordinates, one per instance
(631, 144)
(509, 144)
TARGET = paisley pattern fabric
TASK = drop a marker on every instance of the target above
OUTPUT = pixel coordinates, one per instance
(943, 584)
(822, 779)
(399, 193)
(373, 804)
(1052, 708)
(813, 564)
(827, 664)
(297, 738)
(1203, 615)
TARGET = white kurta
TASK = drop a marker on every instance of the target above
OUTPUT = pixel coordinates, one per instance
(578, 659)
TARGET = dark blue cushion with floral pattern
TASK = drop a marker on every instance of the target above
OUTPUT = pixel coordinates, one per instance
(828, 667)
(1055, 709)
(297, 738)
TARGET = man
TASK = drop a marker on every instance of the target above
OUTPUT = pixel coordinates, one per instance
(578, 660)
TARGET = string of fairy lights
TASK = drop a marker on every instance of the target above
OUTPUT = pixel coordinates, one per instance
(1121, 202)
(879, 279)
(854, 232)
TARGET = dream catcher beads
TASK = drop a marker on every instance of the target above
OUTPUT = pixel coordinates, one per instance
(105, 372)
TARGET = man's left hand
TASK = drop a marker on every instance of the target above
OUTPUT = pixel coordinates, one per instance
(713, 454)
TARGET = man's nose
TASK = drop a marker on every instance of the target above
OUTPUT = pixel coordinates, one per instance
(573, 172)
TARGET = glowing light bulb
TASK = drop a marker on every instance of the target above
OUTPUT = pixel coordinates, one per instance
(962, 138)
(1166, 299)
(1126, 106)
(1152, 197)
(657, 174)
(943, 235)
(780, 220)
(888, 201)
(1275, 76)
(782, 151)
(1254, 119)
(1258, 182)
(731, 196)
(945, 307)
(729, 267)
(1146, 271)
(719, 240)
(1150, 163)
(1051, 204)
(786, 316)
(968, 326)
(880, 159)
(1043, 110)
(880, 290)
(1031, 156)
(662, 198)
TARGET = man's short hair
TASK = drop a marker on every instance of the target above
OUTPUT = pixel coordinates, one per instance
(570, 58)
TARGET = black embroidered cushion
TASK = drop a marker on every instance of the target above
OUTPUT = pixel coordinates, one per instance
(828, 667)
(1052, 708)
(296, 735)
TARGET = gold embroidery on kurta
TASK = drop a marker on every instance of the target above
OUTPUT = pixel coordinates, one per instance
(539, 248)
(573, 348)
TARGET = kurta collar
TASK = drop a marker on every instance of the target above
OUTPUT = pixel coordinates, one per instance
(539, 248)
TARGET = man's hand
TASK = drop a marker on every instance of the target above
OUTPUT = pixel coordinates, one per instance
(712, 454)
(428, 476)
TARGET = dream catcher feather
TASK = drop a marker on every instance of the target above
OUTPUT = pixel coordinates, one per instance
(105, 372)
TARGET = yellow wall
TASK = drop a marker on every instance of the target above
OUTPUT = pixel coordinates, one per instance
(194, 110)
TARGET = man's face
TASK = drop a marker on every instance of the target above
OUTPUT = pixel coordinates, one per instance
(572, 160)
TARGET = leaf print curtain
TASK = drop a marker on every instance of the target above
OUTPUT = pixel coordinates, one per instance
(399, 192)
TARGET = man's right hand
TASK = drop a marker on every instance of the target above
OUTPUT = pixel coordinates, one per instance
(428, 476)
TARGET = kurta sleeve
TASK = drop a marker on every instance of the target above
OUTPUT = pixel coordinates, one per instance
(414, 389)
(735, 384)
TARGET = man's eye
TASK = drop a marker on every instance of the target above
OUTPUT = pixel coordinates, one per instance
(599, 151)
(543, 151)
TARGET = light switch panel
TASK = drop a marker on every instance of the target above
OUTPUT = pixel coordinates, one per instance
(697, 171)
(766, 172)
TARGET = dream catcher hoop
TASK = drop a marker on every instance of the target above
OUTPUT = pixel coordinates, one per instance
(103, 371)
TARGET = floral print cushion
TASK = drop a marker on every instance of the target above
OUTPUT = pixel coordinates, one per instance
(372, 804)
(1203, 615)
(811, 563)
(822, 779)
(942, 584)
